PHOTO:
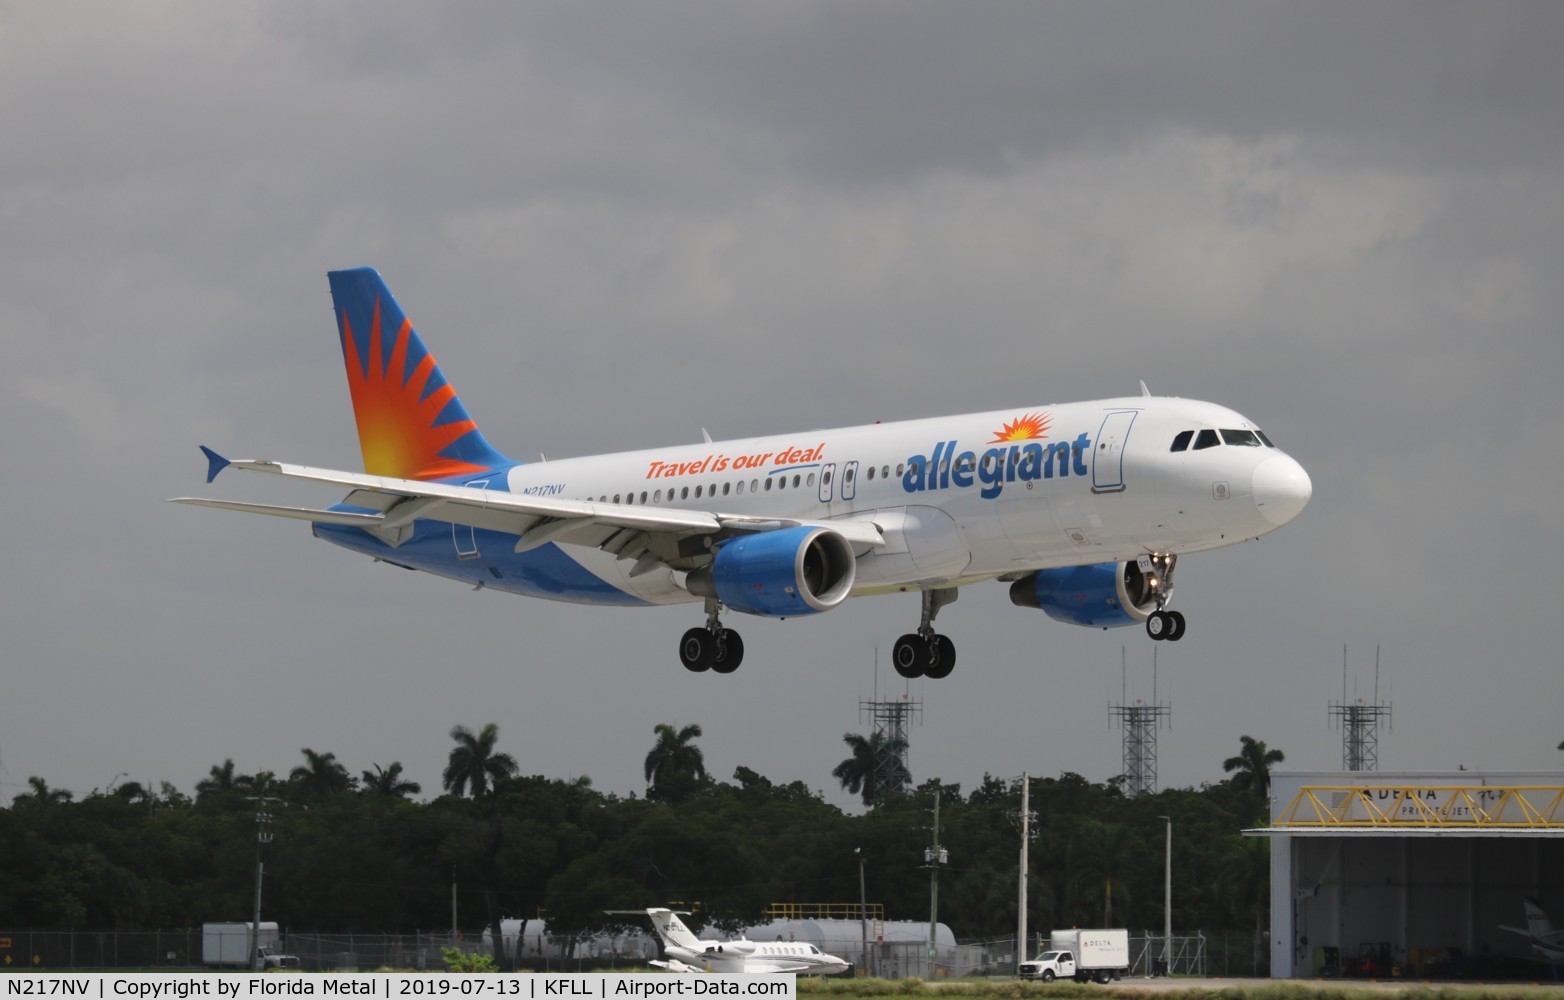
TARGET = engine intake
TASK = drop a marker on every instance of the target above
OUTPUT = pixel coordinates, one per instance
(779, 574)
(1105, 595)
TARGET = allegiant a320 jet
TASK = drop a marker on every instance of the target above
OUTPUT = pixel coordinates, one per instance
(1083, 509)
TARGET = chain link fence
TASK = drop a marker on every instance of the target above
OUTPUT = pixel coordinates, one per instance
(1233, 954)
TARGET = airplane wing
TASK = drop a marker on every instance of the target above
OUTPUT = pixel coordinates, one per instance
(652, 535)
(775, 965)
(674, 965)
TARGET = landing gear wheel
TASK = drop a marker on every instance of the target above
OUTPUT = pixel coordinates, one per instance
(1159, 625)
(698, 650)
(1176, 620)
(910, 655)
(730, 652)
(942, 657)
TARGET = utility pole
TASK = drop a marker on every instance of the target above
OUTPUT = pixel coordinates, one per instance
(863, 912)
(1026, 843)
(262, 837)
(935, 856)
(1167, 901)
(453, 906)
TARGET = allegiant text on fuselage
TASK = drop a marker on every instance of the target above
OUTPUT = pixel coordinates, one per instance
(1026, 462)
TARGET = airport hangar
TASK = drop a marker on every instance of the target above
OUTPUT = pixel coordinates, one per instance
(1430, 863)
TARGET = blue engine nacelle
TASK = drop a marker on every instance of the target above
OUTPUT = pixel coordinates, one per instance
(1106, 595)
(779, 574)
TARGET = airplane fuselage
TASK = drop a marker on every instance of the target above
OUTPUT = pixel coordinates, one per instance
(959, 499)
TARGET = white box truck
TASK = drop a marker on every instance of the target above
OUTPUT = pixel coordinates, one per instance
(228, 945)
(1081, 955)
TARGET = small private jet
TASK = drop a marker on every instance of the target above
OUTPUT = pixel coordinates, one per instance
(1545, 941)
(688, 953)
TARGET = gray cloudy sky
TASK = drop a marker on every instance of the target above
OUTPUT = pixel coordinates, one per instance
(618, 223)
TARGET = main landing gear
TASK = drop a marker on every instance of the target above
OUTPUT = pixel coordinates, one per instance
(710, 646)
(925, 653)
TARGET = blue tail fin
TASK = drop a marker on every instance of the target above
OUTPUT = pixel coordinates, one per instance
(411, 423)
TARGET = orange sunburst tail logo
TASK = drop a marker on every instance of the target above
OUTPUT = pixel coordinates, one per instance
(411, 423)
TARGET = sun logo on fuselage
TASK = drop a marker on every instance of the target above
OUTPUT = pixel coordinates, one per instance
(1026, 428)
(397, 429)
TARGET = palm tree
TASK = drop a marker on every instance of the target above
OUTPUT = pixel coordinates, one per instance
(389, 782)
(876, 768)
(44, 795)
(220, 779)
(320, 774)
(473, 764)
(674, 765)
(1251, 769)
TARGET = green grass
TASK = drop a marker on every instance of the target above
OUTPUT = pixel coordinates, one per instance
(1010, 989)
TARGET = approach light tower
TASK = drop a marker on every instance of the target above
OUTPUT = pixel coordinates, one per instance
(1140, 722)
(890, 720)
(1359, 722)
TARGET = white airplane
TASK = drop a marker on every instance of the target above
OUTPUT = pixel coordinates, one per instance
(688, 953)
(1546, 941)
(1083, 509)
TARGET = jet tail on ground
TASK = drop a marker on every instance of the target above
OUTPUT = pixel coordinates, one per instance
(672, 930)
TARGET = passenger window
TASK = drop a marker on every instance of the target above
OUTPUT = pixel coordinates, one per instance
(913, 469)
(796, 481)
(1240, 438)
(684, 493)
(850, 472)
(811, 479)
(1181, 442)
(754, 486)
(740, 490)
(871, 472)
(616, 498)
(643, 496)
(1206, 439)
(899, 469)
(825, 477)
(768, 486)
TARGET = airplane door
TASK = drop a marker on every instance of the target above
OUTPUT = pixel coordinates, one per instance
(1108, 455)
(849, 480)
(464, 535)
(827, 473)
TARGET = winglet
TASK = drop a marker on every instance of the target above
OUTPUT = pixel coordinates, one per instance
(215, 463)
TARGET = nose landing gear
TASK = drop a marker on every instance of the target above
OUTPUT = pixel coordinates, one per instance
(925, 653)
(1165, 625)
(1157, 573)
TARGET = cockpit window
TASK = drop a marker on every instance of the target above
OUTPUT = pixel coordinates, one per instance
(1242, 438)
(1206, 439)
(1262, 437)
(1181, 442)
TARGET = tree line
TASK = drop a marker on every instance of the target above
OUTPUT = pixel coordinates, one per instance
(359, 854)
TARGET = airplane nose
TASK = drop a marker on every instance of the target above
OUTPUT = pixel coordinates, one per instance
(1281, 489)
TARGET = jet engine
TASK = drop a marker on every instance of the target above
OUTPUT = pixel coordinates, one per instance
(779, 574)
(1105, 595)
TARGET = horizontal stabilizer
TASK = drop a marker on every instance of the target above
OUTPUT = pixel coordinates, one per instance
(297, 513)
